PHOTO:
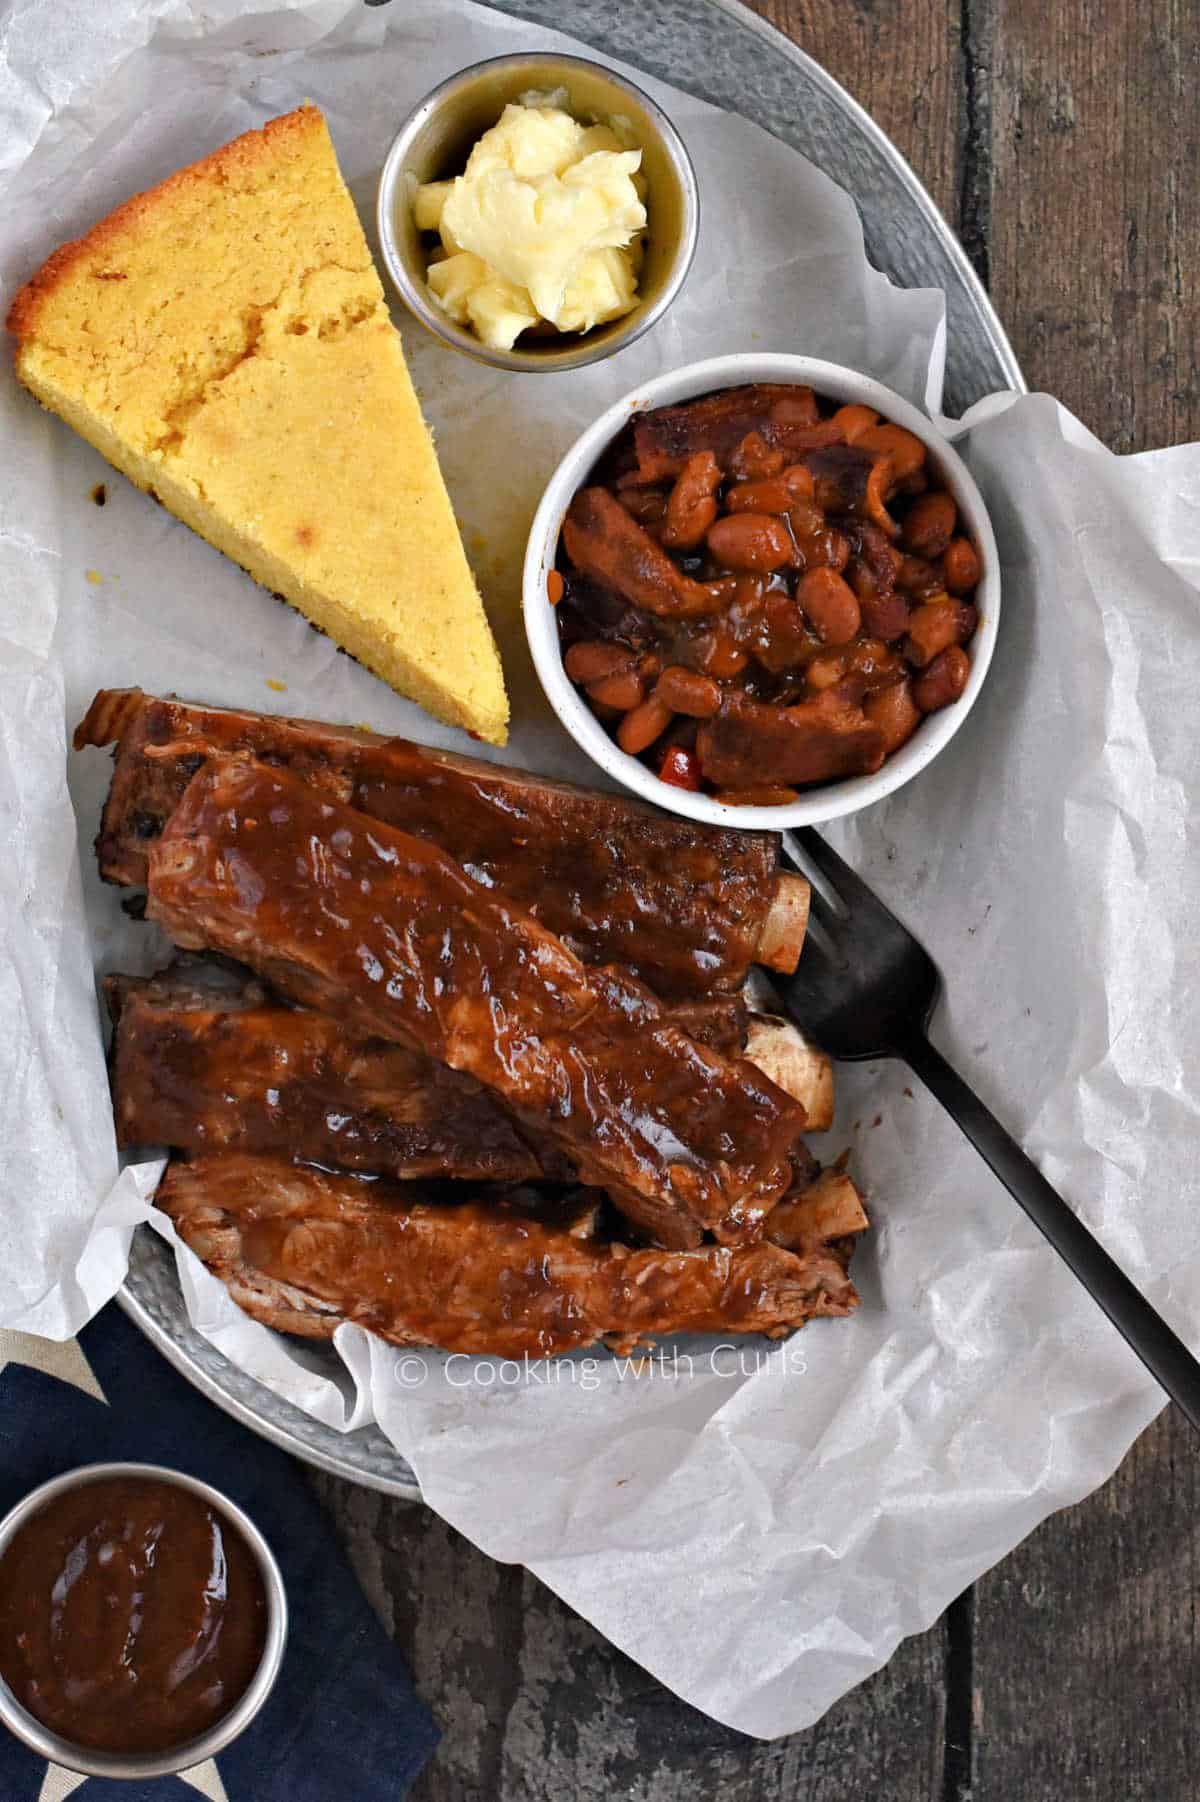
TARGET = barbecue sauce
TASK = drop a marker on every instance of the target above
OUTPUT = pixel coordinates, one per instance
(132, 1615)
(681, 903)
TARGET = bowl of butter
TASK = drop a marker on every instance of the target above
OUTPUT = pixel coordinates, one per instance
(538, 212)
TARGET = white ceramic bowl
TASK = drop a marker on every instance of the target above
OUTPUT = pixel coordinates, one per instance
(830, 800)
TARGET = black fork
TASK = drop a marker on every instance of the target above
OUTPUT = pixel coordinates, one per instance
(866, 989)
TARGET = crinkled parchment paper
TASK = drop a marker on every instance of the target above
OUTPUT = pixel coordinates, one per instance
(759, 1529)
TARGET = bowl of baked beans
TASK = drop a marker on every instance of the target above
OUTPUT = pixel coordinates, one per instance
(762, 590)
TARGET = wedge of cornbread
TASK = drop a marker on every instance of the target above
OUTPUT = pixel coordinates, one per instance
(223, 339)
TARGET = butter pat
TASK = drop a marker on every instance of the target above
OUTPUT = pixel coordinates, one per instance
(543, 224)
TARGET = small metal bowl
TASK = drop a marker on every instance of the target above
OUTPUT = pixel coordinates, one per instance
(52, 1746)
(434, 143)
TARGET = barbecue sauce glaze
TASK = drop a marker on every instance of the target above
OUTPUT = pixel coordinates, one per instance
(680, 903)
(132, 1615)
(388, 934)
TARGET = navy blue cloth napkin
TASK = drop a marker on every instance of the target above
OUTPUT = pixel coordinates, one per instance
(343, 1720)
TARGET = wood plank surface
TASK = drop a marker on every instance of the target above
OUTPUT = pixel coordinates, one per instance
(1095, 229)
(1095, 208)
(903, 61)
(1063, 143)
(1086, 1659)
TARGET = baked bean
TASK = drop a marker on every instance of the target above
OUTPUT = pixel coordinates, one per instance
(757, 541)
(685, 691)
(640, 727)
(826, 549)
(943, 681)
(624, 690)
(679, 768)
(885, 615)
(960, 566)
(862, 579)
(830, 604)
(591, 660)
(871, 659)
(555, 587)
(906, 451)
(754, 457)
(896, 714)
(800, 481)
(719, 655)
(649, 666)
(930, 524)
(783, 641)
(935, 624)
(826, 668)
(919, 578)
(692, 503)
(773, 796)
(770, 494)
(806, 518)
(749, 592)
(838, 549)
(647, 505)
(854, 421)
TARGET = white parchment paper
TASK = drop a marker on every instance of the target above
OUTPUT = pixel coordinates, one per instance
(760, 1526)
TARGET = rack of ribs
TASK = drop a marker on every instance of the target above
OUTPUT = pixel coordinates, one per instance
(342, 913)
(305, 1250)
(199, 1064)
(214, 1072)
(687, 907)
(204, 1058)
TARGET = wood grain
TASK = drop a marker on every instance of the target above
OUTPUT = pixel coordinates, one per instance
(903, 61)
(1084, 1640)
(1087, 1674)
(1095, 208)
(535, 1706)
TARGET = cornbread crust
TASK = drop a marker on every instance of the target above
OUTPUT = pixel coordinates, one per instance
(224, 341)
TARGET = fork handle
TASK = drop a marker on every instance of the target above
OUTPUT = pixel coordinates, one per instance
(1161, 1351)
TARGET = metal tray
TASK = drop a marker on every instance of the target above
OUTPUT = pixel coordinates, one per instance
(716, 49)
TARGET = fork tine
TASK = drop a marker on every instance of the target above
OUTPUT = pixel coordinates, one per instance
(864, 985)
(819, 943)
(846, 883)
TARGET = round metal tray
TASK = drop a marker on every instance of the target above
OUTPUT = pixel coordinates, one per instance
(718, 50)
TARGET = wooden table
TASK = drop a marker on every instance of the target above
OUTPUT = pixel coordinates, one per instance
(1063, 143)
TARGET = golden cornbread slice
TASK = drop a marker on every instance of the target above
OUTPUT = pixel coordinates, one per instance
(223, 339)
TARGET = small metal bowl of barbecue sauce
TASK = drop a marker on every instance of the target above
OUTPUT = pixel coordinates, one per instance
(142, 1621)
